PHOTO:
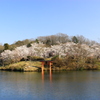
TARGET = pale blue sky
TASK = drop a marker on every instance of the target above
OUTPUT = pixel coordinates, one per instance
(26, 19)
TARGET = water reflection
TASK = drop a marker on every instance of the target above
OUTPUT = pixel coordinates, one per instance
(73, 85)
(42, 76)
(50, 76)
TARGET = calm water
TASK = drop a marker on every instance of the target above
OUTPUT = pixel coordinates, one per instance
(74, 85)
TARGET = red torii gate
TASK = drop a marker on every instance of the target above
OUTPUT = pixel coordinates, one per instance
(46, 62)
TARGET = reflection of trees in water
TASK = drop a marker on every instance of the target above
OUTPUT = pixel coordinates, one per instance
(69, 84)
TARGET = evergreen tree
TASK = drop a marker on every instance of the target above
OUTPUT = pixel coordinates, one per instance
(74, 39)
(37, 41)
(48, 42)
(6, 46)
(29, 45)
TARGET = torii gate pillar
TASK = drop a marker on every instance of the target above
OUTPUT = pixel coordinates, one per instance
(48, 63)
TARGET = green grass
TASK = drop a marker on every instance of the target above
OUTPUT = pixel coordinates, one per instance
(98, 64)
(20, 66)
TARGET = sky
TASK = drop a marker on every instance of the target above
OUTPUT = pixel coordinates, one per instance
(29, 19)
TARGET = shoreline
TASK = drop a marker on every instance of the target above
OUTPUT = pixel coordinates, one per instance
(38, 69)
(29, 66)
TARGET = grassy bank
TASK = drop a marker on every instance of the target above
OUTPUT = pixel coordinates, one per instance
(22, 66)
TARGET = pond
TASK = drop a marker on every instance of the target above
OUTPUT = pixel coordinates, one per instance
(69, 85)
